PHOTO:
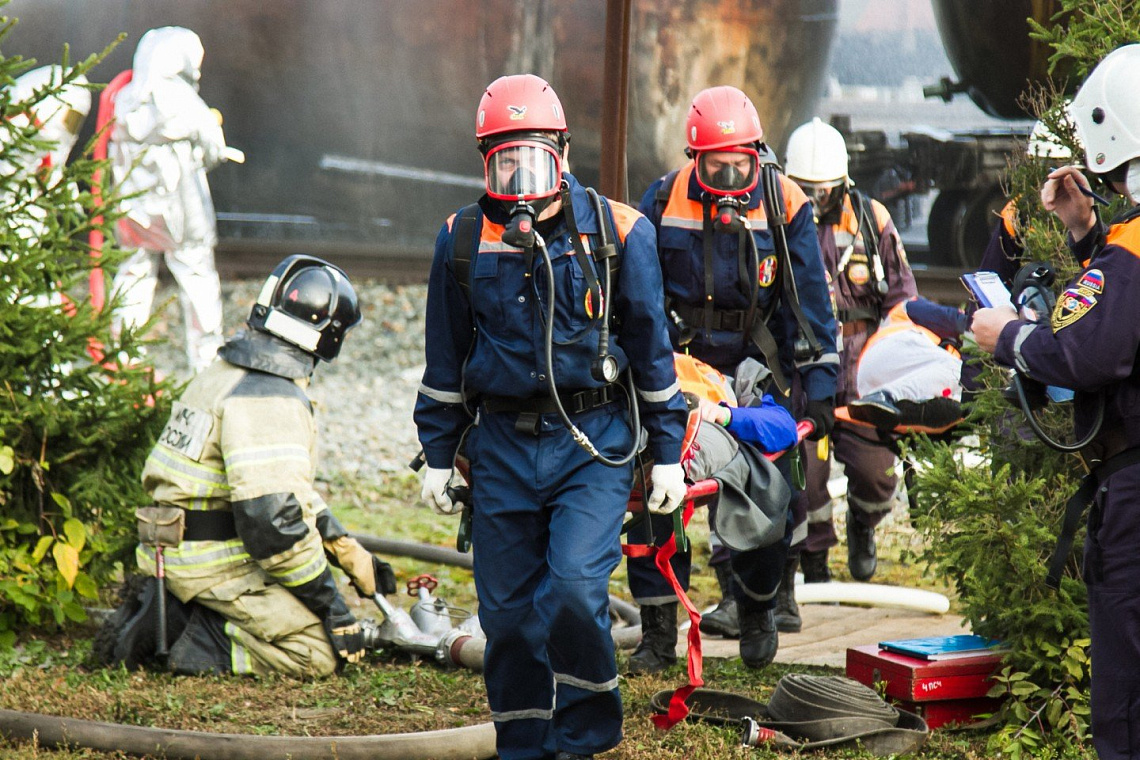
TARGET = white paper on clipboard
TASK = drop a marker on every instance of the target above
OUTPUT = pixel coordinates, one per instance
(988, 289)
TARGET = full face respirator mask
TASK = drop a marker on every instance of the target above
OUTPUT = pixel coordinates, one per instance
(524, 173)
(729, 177)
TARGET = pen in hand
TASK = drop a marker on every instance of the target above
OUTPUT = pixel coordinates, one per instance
(1088, 193)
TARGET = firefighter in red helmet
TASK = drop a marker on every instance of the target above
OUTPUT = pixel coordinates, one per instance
(523, 372)
(743, 279)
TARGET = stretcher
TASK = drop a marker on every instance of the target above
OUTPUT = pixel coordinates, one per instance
(843, 415)
(699, 494)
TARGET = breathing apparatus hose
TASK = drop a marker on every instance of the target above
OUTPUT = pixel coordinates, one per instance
(1065, 448)
(548, 348)
(1034, 298)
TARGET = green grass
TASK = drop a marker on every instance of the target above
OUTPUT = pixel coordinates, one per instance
(391, 692)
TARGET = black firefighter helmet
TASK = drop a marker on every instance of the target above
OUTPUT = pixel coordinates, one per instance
(307, 302)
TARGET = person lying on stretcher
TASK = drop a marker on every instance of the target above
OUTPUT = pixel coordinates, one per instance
(910, 372)
(735, 408)
(732, 424)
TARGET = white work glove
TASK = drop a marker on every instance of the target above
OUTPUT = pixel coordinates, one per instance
(668, 488)
(434, 493)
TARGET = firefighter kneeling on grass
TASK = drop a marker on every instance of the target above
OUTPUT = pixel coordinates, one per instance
(248, 585)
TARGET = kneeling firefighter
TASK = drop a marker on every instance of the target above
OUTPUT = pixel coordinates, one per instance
(518, 333)
(743, 279)
(1090, 345)
(239, 533)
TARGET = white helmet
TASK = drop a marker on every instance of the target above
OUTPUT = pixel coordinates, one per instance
(817, 153)
(1107, 111)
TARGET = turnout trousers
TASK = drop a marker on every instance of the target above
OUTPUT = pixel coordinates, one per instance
(1112, 573)
(546, 535)
(871, 483)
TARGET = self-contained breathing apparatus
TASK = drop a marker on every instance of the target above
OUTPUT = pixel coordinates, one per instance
(1033, 297)
(604, 258)
(725, 197)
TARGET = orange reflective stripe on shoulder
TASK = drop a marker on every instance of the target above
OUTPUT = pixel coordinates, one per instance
(794, 197)
(1126, 235)
(882, 216)
(699, 378)
(450, 222)
(1009, 217)
(896, 321)
(681, 211)
(624, 218)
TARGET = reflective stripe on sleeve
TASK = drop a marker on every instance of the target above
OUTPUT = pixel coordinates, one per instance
(1022, 334)
(302, 574)
(658, 397)
(443, 397)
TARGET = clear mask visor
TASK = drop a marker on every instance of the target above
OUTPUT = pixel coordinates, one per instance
(522, 171)
(824, 196)
(728, 172)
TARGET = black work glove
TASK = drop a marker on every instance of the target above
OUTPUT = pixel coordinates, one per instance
(385, 576)
(822, 414)
(345, 636)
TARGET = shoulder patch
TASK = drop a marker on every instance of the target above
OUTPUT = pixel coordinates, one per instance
(768, 269)
(187, 430)
(1073, 304)
(1093, 280)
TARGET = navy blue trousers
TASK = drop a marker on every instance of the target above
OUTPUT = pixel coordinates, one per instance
(1112, 574)
(546, 537)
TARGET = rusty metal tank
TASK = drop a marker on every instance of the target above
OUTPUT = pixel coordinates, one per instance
(989, 46)
(357, 116)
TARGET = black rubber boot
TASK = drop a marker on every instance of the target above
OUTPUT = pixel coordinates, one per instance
(203, 647)
(130, 636)
(658, 647)
(758, 638)
(878, 409)
(861, 559)
(724, 620)
(814, 565)
(937, 412)
(787, 611)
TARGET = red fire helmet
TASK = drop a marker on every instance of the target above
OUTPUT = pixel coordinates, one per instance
(519, 103)
(722, 117)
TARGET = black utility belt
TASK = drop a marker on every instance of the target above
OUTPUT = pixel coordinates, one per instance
(209, 525)
(732, 320)
(574, 402)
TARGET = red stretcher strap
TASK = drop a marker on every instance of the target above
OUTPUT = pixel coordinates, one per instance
(699, 491)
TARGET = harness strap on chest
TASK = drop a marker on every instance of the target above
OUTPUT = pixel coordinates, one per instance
(868, 227)
(777, 223)
(467, 228)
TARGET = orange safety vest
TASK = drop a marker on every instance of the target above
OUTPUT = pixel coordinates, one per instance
(898, 321)
(700, 379)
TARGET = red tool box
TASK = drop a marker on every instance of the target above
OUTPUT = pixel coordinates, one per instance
(941, 691)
